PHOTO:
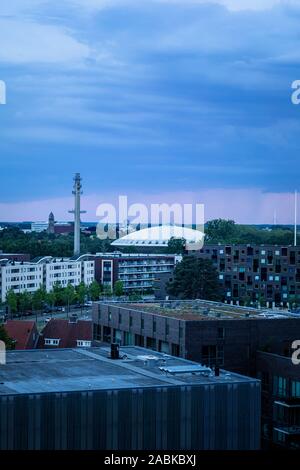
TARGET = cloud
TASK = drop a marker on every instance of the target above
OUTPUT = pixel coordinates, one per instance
(24, 41)
(231, 5)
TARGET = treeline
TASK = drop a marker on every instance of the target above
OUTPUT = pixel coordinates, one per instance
(13, 240)
(59, 296)
(228, 232)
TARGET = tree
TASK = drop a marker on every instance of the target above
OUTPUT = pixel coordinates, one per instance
(38, 299)
(69, 295)
(12, 301)
(220, 231)
(119, 288)
(9, 343)
(94, 290)
(176, 246)
(51, 298)
(81, 292)
(25, 301)
(195, 278)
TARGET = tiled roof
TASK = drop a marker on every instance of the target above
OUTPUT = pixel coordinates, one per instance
(67, 332)
(21, 331)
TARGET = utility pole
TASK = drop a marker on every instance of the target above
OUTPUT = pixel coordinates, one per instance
(295, 227)
(76, 211)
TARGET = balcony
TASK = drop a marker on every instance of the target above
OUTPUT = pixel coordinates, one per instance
(288, 430)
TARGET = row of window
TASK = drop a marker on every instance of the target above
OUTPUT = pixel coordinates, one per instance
(80, 343)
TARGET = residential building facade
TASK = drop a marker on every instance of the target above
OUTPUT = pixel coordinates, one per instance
(280, 380)
(137, 271)
(61, 333)
(252, 274)
(45, 271)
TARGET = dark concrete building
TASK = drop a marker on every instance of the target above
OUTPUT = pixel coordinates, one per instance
(253, 274)
(207, 332)
(83, 399)
(280, 380)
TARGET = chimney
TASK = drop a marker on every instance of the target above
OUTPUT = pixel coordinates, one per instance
(217, 371)
(73, 318)
(114, 351)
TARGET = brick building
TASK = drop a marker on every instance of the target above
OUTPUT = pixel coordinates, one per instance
(253, 274)
(280, 380)
(206, 332)
(61, 333)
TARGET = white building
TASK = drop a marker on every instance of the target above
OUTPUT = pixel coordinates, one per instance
(20, 278)
(39, 226)
(62, 272)
(45, 271)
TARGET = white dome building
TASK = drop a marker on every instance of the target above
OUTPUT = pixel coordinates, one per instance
(159, 236)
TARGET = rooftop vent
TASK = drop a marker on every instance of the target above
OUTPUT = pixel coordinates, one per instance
(73, 318)
(114, 351)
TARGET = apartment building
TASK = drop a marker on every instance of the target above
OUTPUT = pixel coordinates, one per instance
(45, 271)
(20, 277)
(251, 274)
(280, 381)
(138, 272)
(208, 332)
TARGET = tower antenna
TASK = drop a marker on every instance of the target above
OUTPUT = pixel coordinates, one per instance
(76, 211)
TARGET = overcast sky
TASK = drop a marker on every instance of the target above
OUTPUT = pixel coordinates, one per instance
(161, 100)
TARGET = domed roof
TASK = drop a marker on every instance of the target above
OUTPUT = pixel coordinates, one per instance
(160, 236)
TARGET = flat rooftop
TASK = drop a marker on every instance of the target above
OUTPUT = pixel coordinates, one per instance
(196, 310)
(69, 370)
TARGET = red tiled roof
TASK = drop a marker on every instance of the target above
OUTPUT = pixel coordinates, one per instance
(22, 332)
(67, 332)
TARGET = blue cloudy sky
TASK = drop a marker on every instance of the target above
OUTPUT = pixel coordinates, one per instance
(162, 100)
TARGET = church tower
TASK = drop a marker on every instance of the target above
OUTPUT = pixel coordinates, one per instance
(51, 222)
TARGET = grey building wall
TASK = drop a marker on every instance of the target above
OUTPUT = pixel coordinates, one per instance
(217, 416)
(237, 348)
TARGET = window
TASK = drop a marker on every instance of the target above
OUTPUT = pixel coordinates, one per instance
(278, 436)
(279, 386)
(83, 344)
(130, 320)
(142, 323)
(154, 326)
(295, 389)
(51, 342)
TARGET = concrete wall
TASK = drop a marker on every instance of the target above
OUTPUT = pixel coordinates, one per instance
(217, 416)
